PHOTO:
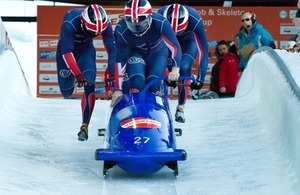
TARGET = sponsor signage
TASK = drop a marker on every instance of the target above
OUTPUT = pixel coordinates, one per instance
(277, 20)
(140, 122)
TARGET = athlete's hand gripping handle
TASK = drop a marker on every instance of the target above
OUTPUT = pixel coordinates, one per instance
(174, 74)
(81, 80)
(115, 98)
(109, 79)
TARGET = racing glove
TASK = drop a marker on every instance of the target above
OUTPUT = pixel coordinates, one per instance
(81, 80)
(174, 74)
(171, 84)
(108, 79)
(109, 86)
(115, 98)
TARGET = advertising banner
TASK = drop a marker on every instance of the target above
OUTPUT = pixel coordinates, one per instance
(221, 23)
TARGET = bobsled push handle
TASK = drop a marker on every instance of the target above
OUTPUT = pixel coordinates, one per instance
(174, 84)
(165, 78)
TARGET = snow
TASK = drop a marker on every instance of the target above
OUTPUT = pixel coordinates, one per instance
(243, 145)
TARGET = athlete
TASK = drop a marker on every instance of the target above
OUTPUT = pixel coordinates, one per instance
(143, 40)
(190, 32)
(76, 56)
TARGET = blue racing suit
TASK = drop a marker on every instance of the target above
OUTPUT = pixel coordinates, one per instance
(193, 41)
(145, 56)
(76, 54)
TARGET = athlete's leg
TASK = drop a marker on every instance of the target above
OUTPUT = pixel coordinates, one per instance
(87, 65)
(87, 103)
(189, 54)
(135, 70)
(65, 78)
(185, 70)
(156, 66)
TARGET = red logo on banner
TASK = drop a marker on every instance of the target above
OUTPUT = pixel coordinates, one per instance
(140, 122)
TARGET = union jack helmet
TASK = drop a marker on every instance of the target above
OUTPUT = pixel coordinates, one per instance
(94, 20)
(178, 16)
(137, 15)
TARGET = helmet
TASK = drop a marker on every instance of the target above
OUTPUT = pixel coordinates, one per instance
(178, 16)
(94, 20)
(137, 16)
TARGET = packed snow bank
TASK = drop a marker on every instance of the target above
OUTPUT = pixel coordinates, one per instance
(277, 103)
(13, 82)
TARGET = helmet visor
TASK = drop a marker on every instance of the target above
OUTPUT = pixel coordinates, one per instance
(138, 26)
(89, 32)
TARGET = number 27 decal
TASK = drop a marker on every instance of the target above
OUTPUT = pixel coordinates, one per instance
(139, 140)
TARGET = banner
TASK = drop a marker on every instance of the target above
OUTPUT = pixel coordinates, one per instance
(48, 34)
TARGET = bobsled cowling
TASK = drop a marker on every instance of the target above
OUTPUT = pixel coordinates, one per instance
(140, 136)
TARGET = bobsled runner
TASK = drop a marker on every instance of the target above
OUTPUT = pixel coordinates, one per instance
(140, 137)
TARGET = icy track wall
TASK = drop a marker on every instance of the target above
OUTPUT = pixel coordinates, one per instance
(9, 59)
(268, 81)
(4, 40)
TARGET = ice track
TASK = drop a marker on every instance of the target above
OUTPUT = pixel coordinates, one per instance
(231, 147)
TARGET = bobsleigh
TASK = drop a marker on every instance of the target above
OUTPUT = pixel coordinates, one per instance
(140, 137)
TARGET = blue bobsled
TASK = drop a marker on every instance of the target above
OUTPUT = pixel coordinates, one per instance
(140, 137)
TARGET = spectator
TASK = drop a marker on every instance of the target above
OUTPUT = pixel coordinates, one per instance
(234, 45)
(76, 54)
(229, 70)
(224, 79)
(220, 50)
(190, 32)
(296, 37)
(252, 35)
(143, 40)
(296, 20)
(297, 47)
(291, 47)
